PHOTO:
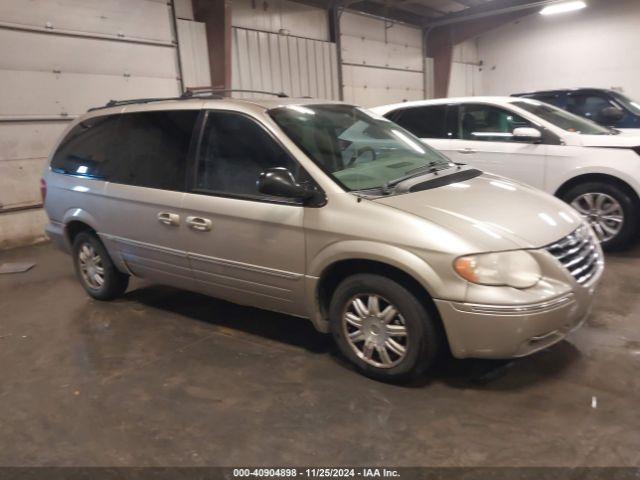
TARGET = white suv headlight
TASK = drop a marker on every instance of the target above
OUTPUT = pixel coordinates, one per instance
(516, 269)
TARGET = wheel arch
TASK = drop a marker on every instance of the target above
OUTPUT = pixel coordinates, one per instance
(597, 177)
(77, 220)
(341, 260)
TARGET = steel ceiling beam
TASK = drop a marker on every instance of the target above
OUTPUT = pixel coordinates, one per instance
(496, 7)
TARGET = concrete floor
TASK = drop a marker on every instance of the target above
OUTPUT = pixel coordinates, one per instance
(165, 377)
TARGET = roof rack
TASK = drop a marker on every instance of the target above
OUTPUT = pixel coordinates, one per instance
(195, 91)
(117, 103)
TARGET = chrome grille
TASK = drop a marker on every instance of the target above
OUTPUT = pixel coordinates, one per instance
(579, 253)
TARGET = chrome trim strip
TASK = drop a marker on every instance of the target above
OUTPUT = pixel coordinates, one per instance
(229, 287)
(244, 266)
(148, 246)
(529, 309)
(236, 279)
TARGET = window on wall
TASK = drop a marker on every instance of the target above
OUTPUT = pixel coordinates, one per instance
(153, 148)
(488, 123)
(234, 151)
(87, 148)
(423, 122)
(589, 106)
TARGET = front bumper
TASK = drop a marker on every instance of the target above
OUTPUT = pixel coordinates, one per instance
(507, 331)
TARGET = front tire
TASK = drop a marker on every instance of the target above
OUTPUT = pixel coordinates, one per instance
(382, 328)
(95, 269)
(610, 210)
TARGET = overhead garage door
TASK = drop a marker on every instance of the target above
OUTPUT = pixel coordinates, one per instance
(382, 61)
(58, 59)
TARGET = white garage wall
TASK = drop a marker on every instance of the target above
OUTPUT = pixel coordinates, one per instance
(281, 16)
(593, 47)
(382, 62)
(57, 60)
(465, 70)
(194, 53)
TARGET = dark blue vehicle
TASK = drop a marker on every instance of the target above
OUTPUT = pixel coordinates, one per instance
(606, 107)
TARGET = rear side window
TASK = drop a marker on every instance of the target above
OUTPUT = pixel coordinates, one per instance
(87, 148)
(423, 122)
(233, 153)
(152, 149)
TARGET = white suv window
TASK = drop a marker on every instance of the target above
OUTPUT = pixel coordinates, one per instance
(488, 123)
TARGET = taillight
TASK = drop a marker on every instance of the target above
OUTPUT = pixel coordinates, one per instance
(43, 189)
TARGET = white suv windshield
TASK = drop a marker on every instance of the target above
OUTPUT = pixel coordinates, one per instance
(359, 150)
(561, 118)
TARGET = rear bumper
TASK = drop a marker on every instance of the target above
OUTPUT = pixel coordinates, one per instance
(508, 331)
(55, 231)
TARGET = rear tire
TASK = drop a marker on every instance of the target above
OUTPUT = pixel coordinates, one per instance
(610, 210)
(95, 269)
(382, 344)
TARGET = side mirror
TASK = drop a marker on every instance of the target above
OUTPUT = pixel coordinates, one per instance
(611, 115)
(280, 182)
(527, 134)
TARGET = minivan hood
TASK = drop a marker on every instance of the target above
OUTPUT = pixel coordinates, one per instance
(492, 212)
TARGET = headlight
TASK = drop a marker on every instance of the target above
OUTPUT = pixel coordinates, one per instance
(515, 269)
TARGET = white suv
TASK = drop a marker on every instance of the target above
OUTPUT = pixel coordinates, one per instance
(595, 169)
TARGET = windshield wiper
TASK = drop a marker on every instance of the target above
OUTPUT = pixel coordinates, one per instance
(431, 167)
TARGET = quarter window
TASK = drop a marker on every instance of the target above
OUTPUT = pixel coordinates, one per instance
(153, 148)
(488, 123)
(87, 148)
(233, 153)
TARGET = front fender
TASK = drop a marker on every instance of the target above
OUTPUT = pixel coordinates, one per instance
(392, 255)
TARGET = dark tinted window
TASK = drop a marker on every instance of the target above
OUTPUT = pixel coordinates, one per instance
(423, 122)
(589, 106)
(152, 149)
(561, 118)
(87, 148)
(489, 123)
(233, 153)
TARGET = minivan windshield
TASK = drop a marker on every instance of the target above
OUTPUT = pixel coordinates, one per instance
(359, 150)
(563, 119)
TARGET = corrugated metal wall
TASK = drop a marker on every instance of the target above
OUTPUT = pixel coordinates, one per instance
(382, 61)
(295, 66)
(57, 60)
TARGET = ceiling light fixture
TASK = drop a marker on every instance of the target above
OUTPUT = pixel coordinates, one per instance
(563, 7)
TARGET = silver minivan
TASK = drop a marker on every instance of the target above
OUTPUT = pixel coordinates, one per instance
(324, 211)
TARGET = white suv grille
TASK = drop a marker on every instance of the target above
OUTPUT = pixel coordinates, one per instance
(578, 253)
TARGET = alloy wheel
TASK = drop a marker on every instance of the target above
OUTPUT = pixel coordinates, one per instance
(375, 330)
(603, 212)
(91, 267)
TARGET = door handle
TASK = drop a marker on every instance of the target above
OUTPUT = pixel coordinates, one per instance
(200, 224)
(466, 151)
(169, 218)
